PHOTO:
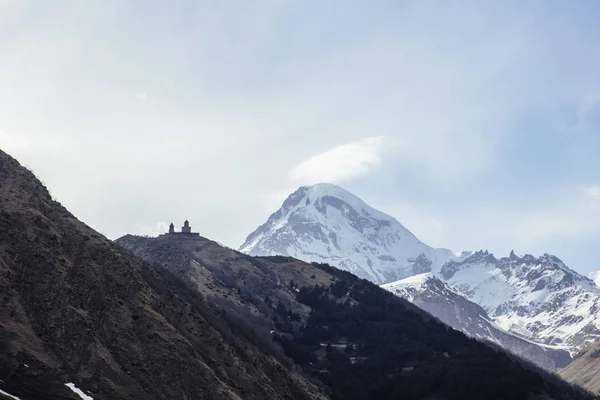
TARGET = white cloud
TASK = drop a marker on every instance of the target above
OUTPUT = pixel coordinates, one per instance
(340, 164)
(592, 192)
(158, 228)
(141, 96)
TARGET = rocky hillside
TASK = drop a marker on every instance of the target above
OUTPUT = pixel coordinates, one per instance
(75, 307)
(356, 339)
(249, 289)
(437, 298)
(325, 223)
(585, 369)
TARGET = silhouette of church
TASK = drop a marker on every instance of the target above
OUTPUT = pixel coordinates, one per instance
(186, 230)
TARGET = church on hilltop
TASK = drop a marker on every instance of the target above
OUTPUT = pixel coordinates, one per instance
(186, 230)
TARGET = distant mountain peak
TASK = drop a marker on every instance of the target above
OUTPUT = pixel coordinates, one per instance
(326, 223)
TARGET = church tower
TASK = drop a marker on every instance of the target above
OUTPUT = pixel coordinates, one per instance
(171, 229)
(186, 228)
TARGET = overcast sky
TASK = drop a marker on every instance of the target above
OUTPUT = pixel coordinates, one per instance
(476, 126)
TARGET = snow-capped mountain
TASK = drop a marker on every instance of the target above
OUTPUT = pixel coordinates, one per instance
(437, 298)
(325, 223)
(537, 299)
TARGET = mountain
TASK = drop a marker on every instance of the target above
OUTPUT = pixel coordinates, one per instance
(539, 300)
(83, 317)
(76, 308)
(583, 371)
(437, 298)
(325, 223)
(355, 339)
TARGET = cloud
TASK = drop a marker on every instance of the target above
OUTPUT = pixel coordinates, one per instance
(340, 164)
(141, 96)
(592, 192)
(152, 229)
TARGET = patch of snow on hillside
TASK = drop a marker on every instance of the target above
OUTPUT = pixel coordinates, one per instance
(78, 391)
(9, 395)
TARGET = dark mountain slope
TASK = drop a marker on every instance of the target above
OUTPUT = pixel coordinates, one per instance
(74, 307)
(359, 340)
(391, 352)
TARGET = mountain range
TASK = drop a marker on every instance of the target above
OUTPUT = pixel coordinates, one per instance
(181, 317)
(527, 302)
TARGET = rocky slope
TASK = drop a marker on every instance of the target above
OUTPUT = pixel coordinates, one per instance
(325, 223)
(437, 298)
(585, 369)
(74, 307)
(355, 338)
(243, 286)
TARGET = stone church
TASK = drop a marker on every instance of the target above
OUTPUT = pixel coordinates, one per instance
(186, 230)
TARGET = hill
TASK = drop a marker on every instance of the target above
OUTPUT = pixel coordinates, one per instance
(351, 336)
(75, 307)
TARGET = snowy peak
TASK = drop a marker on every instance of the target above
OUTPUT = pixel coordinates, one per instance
(326, 223)
(538, 298)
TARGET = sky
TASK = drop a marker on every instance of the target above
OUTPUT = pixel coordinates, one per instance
(475, 123)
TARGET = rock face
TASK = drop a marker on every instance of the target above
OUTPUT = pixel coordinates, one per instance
(583, 371)
(537, 299)
(437, 298)
(325, 223)
(74, 307)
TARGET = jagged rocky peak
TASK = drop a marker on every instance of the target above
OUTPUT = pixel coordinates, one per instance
(326, 223)
(539, 298)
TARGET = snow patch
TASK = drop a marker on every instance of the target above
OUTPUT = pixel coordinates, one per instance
(79, 392)
(9, 395)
